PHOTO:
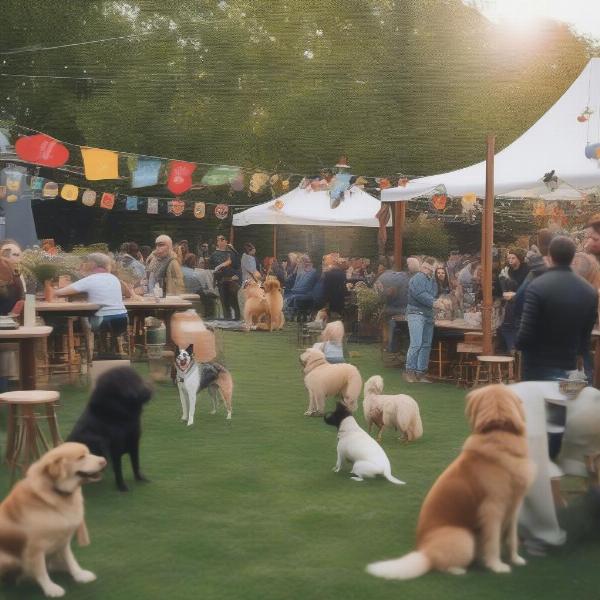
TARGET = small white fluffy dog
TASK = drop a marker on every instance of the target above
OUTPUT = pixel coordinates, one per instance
(400, 411)
(356, 446)
(323, 379)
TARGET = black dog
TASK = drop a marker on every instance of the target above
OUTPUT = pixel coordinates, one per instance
(110, 426)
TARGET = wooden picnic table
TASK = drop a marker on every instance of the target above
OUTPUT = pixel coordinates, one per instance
(25, 337)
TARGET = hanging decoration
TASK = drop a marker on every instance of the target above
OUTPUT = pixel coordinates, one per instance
(12, 179)
(438, 201)
(221, 211)
(339, 185)
(237, 185)
(180, 176)
(585, 114)
(50, 190)
(383, 183)
(69, 192)
(279, 204)
(131, 203)
(221, 175)
(37, 183)
(258, 182)
(41, 149)
(152, 207)
(145, 172)
(468, 202)
(550, 181)
(199, 210)
(383, 216)
(107, 201)
(403, 181)
(176, 207)
(88, 198)
(592, 151)
(342, 162)
(100, 164)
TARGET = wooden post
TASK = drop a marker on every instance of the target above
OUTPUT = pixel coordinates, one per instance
(275, 241)
(231, 232)
(399, 219)
(487, 241)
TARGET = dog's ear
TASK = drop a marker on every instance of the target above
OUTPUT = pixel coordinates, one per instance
(190, 349)
(56, 469)
(495, 407)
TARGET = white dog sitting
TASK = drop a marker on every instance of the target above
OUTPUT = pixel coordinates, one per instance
(192, 378)
(400, 411)
(356, 446)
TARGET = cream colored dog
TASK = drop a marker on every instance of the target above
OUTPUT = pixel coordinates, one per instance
(399, 411)
(323, 379)
(275, 302)
(42, 513)
(255, 305)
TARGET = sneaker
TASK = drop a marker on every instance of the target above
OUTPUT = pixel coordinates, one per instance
(410, 377)
(422, 378)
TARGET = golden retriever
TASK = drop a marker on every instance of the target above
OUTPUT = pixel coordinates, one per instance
(400, 411)
(255, 305)
(274, 300)
(43, 511)
(323, 379)
(473, 506)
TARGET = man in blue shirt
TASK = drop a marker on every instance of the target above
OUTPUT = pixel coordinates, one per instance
(422, 290)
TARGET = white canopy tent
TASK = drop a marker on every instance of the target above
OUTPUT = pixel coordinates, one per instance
(307, 207)
(556, 142)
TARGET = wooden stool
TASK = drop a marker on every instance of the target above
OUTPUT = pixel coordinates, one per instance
(494, 366)
(467, 363)
(25, 441)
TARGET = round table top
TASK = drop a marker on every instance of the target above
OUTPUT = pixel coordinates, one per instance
(150, 303)
(496, 359)
(22, 333)
(41, 306)
(30, 396)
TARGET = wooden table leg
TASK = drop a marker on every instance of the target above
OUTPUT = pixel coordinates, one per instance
(27, 363)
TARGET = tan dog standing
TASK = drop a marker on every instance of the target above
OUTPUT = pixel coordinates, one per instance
(473, 506)
(323, 379)
(42, 513)
(274, 299)
(255, 306)
(398, 411)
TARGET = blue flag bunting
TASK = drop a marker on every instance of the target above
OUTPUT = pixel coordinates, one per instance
(146, 172)
(131, 203)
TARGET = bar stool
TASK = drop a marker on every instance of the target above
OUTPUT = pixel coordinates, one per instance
(25, 440)
(467, 363)
(498, 368)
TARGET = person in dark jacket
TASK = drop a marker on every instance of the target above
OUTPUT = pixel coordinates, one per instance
(422, 290)
(558, 317)
(334, 287)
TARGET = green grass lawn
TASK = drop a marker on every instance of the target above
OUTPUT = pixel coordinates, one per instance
(251, 508)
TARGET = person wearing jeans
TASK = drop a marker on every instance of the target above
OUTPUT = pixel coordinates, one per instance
(422, 290)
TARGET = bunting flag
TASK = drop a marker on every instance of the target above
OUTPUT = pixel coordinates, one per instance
(199, 210)
(221, 176)
(69, 192)
(100, 164)
(37, 184)
(176, 207)
(41, 149)
(131, 203)
(107, 201)
(152, 208)
(180, 176)
(12, 179)
(221, 211)
(237, 185)
(88, 198)
(258, 182)
(146, 172)
(50, 190)
(340, 183)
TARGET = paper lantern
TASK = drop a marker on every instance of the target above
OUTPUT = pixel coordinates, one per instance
(279, 204)
(41, 149)
(199, 210)
(221, 211)
(88, 198)
(176, 207)
(258, 182)
(50, 190)
(468, 201)
(69, 192)
(586, 113)
(180, 176)
(100, 164)
(107, 201)
(285, 185)
(152, 208)
(582, 118)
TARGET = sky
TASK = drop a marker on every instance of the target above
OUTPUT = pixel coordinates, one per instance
(582, 15)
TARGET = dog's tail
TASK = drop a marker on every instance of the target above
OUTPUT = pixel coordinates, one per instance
(225, 383)
(409, 566)
(388, 475)
(415, 431)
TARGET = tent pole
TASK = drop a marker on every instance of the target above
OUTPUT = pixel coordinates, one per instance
(399, 219)
(275, 241)
(487, 241)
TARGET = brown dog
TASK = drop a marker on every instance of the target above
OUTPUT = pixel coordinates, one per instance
(473, 506)
(255, 306)
(323, 379)
(43, 511)
(275, 301)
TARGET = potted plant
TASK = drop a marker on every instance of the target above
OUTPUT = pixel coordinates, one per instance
(370, 306)
(43, 268)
